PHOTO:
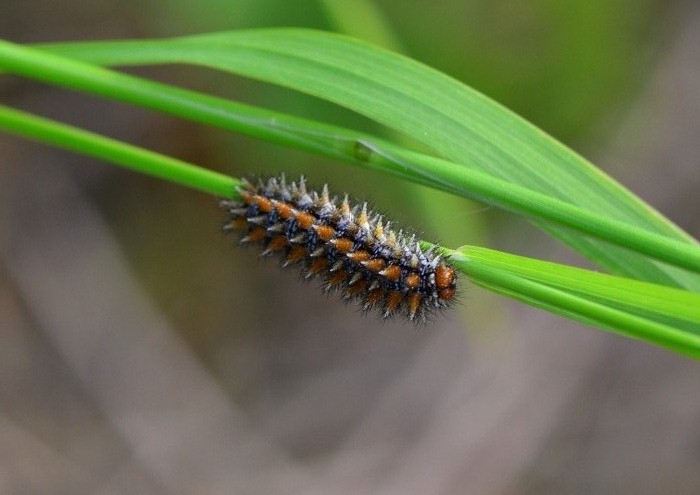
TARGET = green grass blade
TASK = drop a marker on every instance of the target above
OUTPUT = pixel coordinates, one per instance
(453, 178)
(358, 148)
(641, 298)
(128, 156)
(565, 299)
(457, 122)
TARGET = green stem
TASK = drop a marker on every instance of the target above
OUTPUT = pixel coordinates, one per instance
(566, 303)
(642, 297)
(534, 205)
(131, 157)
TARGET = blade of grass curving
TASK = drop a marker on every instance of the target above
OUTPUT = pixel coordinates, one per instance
(352, 146)
(644, 299)
(459, 123)
(580, 308)
(531, 204)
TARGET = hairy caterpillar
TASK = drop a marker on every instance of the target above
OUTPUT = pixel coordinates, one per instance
(352, 249)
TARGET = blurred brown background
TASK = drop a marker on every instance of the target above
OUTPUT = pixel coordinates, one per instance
(140, 352)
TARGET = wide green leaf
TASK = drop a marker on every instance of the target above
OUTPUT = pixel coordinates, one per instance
(354, 147)
(455, 121)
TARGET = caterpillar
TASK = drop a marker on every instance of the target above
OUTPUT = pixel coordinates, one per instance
(351, 248)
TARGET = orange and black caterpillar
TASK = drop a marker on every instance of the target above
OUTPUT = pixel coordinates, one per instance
(351, 248)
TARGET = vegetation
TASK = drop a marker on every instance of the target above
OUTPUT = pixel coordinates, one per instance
(447, 137)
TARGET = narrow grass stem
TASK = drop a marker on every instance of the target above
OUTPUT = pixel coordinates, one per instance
(128, 156)
(568, 304)
(483, 187)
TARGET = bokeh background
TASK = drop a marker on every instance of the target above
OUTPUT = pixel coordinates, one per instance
(141, 352)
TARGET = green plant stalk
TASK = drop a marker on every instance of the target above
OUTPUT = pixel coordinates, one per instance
(348, 145)
(642, 296)
(111, 150)
(534, 205)
(493, 270)
(576, 307)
